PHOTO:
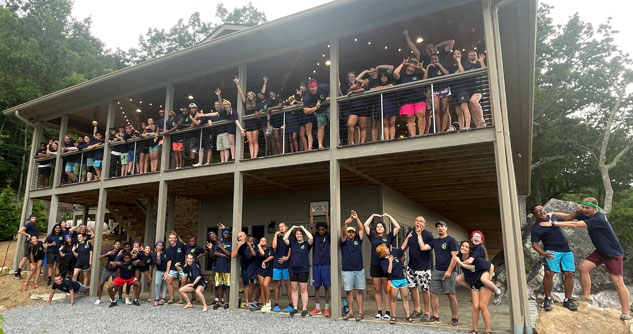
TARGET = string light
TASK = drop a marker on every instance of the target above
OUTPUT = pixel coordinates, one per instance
(385, 47)
(419, 40)
(117, 102)
(328, 46)
(318, 64)
(355, 39)
(161, 106)
(313, 71)
(150, 104)
(399, 50)
(328, 62)
(140, 102)
(323, 55)
(130, 100)
(190, 97)
(138, 110)
(369, 43)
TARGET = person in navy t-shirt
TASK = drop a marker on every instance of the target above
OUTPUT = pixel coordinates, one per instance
(36, 251)
(126, 272)
(300, 242)
(66, 285)
(196, 284)
(83, 252)
(280, 267)
(557, 257)
(265, 272)
(313, 100)
(52, 243)
(222, 268)
(473, 270)
(391, 263)
(246, 251)
(419, 268)
(608, 249)
(108, 272)
(175, 255)
(321, 260)
(29, 229)
(353, 273)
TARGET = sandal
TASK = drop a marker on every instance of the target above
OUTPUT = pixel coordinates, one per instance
(410, 319)
(473, 332)
(392, 320)
(359, 317)
(347, 316)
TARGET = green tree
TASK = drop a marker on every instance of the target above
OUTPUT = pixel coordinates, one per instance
(9, 214)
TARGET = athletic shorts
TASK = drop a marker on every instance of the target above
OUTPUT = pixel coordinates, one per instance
(193, 144)
(107, 273)
(176, 273)
(202, 283)
(421, 278)
(82, 266)
(247, 280)
(37, 258)
(124, 158)
(321, 276)
(440, 285)
(412, 108)
(121, 282)
(562, 261)
(323, 117)
(442, 93)
(178, 146)
(154, 148)
(299, 277)
(477, 286)
(70, 166)
(354, 280)
(90, 162)
(222, 279)
(52, 258)
(615, 265)
(279, 274)
(222, 141)
(399, 283)
(82, 288)
(461, 96)
(376, 271)
(97, 164)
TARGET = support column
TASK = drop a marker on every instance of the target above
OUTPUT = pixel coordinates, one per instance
(239, 140)
(238, 188)
(95, 271)
(27, 204)
(171, 214)
(169, 105)
(335, 185)
(150, 223)
(161, 211)
(59, 162)
(84, 215)
(105, 163)
(52, 213)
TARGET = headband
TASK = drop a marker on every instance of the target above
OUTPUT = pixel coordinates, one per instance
(313, 84)
(226, 101)
(591, 205)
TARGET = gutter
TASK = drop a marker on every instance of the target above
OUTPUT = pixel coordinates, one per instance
(20, 117)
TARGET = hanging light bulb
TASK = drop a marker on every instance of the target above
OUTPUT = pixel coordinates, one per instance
(369, 43)
(385, 47)
(190, 97)
(355, 39)
(419, 40)
(138, 110)
(328, 62)
(399, 50)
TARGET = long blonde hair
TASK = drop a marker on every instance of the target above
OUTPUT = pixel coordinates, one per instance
(250, 104)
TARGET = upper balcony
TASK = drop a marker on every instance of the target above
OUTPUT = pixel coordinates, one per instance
(382, 95)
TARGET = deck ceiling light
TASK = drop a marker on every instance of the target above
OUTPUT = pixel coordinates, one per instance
(419, 40)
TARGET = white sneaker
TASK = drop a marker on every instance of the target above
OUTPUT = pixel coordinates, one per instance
(149, 300)
(98, 301)
(128, 301)
(197, 165)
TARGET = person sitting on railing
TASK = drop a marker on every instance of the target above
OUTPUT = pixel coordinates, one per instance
(440, 49)
(441, 92)
(292, 122)
(355, 110)
(252, 125)
(389, 106)
(312, 100)
(43, 167)
(176, 146)
(475, 61)
(97, 155)
(71, 161)
(275, 122)
(412, 100)
(459, 90)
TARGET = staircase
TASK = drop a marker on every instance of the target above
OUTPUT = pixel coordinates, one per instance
(130, 214)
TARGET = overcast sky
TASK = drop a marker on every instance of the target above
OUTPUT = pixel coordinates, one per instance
(119, 22)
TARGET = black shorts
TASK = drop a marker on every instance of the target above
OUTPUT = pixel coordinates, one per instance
(38, 258)
(299, 277)
(202, 283)
(82, 266)
(376, 271)
(44, 171)
(142, 269)
(478, 285)
(52, 258)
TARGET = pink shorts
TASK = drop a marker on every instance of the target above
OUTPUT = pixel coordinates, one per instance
(177, 147)
(412, 108)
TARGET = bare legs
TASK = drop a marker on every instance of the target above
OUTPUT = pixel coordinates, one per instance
(404, 292)
(481, 298)
(264, 283)
(380, 285)
(278, 291)
(350, 301)
(351, 125)
(389, 127)
(232, 144)
(477, 111)
(35, 272)
(198, 291)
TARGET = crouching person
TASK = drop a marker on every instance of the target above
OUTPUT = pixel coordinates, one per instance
(126, 275)
(68, 286)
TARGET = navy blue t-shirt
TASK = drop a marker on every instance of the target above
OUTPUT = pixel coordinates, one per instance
(146, 260)
(352, 254)
(602, 235)
(232, 117)
(67, 285)
(281, 251)
(196, 250)
(172, 123)
(31, 229)
(443, 248)
(193, 271)
(396, 266)
(418, 259)
(310, 100)
(36, 250)
(377, 241)
(111, 257)
(176, 254)
(58, 239)
(126, 270)
(411, 95)
(321, 250)
(246, 256)
(83, 252)
(299, 254)
(222, 264)
(268, 271)
(553, 237)
(481, 266)
(163, 261)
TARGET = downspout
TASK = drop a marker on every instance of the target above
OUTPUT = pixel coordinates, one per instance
(26, 121)
(527, 323)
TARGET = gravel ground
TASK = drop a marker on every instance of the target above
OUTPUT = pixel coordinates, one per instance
(86, 317)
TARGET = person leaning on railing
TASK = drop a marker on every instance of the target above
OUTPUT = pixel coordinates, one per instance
(71, 161)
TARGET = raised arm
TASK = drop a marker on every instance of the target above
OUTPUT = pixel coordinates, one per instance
(361, 233)
(327, 217)
(287, 235)
(308, 234)
(218, 93)
(386, 67)
(312, 210)
(367, 224)
(345, 225)
(396, 226)
(447, 45)
(275, 240)
(411, 44)
(236, 80)
(405, 243)
(396, 71)
(265, 78)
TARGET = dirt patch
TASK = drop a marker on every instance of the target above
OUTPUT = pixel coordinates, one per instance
(588, 319)
(11, 293)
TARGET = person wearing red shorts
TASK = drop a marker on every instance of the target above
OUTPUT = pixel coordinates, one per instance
(126, 275)
(608, 249)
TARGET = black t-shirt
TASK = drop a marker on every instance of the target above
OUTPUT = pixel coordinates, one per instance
(58, 239)
(377, 241)
(193, 271)
(310, 100)
(36, 250)
(110, 258)
(126, 270)
(196, 250)
(67, 285)
(411, 95)
(31, 229)
(268, 271)
(553, 238)
(222, 264)
(442, 55)
(352, 254)
(83, 252)
(146, 260)
(480, 266)
(246, 256)
(299, 255)
(163, 261)
(418, 259)
(602, 235)
(396, 265)
(98, 153)
(321, 252)
(443, 248)
(229, 127)
(176, 254)
(74, 157)
(280, 251)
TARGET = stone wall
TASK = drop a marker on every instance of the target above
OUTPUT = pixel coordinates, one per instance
(187, 217)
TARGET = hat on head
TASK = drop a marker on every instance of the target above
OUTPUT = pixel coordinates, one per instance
(161, 111)
(313, 84)
(440, 222)
(477, 231)
(31, 216)
(159, 242)
(350, 228)
(192, 105)
(127, 127)
(225, 232)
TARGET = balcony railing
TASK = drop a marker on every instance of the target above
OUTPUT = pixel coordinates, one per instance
(43, 172)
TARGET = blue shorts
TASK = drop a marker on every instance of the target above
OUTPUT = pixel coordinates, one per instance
(70, 166)
(279, 274)
(321, 276)
(398, 283)
(562, 261)
(97, 164)
(354, 280)
(245, 279)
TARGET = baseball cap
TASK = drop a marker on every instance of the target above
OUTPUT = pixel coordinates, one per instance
(161, 111)
(351, 228)
(192, 105)
(477, 231)
(440, 222)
